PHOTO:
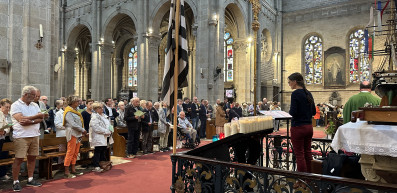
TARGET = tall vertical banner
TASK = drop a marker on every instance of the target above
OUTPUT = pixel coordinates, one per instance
(176, 61)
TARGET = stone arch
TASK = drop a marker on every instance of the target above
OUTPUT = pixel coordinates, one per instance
(73, 31)
(233, 10)
(159, 23)
(162, 8)
(113, 20)
(303, 70)
(77, 68)
(119, 28)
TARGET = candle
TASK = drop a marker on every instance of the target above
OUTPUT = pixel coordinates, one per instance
(227, 129)
(41, 31)
(243, 126)
(234, 129)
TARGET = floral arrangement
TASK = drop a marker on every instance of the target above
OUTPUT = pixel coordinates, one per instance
(330, 129)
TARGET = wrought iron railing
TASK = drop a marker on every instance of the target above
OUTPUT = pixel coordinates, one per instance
(201, 175)
(280, 157)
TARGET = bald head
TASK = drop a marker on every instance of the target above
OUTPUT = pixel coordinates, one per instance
(365, 86)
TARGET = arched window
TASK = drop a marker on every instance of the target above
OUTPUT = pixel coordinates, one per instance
(133, 67)
(313, 60)
(228, 59)
(359, 65)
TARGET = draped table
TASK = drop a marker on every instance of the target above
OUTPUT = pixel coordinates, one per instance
(377, 145)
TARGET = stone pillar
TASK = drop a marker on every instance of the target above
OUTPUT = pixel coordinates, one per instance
(106, 71)
(68, 73)
(86, 80)
(76, 77)
(241, 72)
(118, 74)
(142, 55)
(148, 67)
(208, 58)
(152, 77)
(95, 73)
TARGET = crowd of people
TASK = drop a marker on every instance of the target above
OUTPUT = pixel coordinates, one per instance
(31, 117)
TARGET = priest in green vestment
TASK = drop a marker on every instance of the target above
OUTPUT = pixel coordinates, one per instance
(359, 100)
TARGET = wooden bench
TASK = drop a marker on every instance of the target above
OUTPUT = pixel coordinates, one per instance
(49, 148)
(120, 142)
(43, 160)
(210, 129)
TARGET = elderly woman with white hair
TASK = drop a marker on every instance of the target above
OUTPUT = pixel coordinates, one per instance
(100, 131)
(120, 119)
(163, 128)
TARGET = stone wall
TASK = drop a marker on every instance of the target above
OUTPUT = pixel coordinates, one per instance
(19, 32)
(333, 22)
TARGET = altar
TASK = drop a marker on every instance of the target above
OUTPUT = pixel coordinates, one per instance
(377, 145)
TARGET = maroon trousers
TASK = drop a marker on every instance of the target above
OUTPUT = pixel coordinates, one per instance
(301, 138)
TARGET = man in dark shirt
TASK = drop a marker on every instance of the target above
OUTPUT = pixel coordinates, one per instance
(264, 105)
(110, 111)
(238, 109)
(187, 107)
(203, 118)
(133, 123)
(147, 128)
(194, 114)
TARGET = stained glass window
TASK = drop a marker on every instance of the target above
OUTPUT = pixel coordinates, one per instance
(313, 60)
(133, 67)
(228, 59)
(359, 64)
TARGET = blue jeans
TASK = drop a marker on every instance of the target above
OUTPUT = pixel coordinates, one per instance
(203, 127)
(195, 122)
(317, 122)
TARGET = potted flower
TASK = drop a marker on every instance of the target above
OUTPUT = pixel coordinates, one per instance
(330, 129)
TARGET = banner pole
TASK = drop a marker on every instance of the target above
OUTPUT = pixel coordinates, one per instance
(176, 73)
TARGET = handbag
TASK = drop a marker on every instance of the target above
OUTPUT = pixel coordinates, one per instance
(105, 165)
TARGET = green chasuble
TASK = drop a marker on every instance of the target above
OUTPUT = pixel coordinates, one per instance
(358, 101)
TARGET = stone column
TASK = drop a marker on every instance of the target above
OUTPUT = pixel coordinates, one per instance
(240, 70)
(86, 80)
(76, 78)
(68, 73)
(95, 72)
(106, 72)
(148, 68)
(118, 74)
(208, 57)
(154, 43)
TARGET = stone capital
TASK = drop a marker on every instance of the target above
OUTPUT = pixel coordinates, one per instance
(153, 41)
(240, 46)
(118, 61)
(106, 48)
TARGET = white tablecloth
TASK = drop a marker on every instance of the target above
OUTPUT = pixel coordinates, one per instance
(364, 138)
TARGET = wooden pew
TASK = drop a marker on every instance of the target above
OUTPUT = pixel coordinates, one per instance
(7, 146)
(43, 159)
(50, 149)
(120, 142)
(210, 129)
